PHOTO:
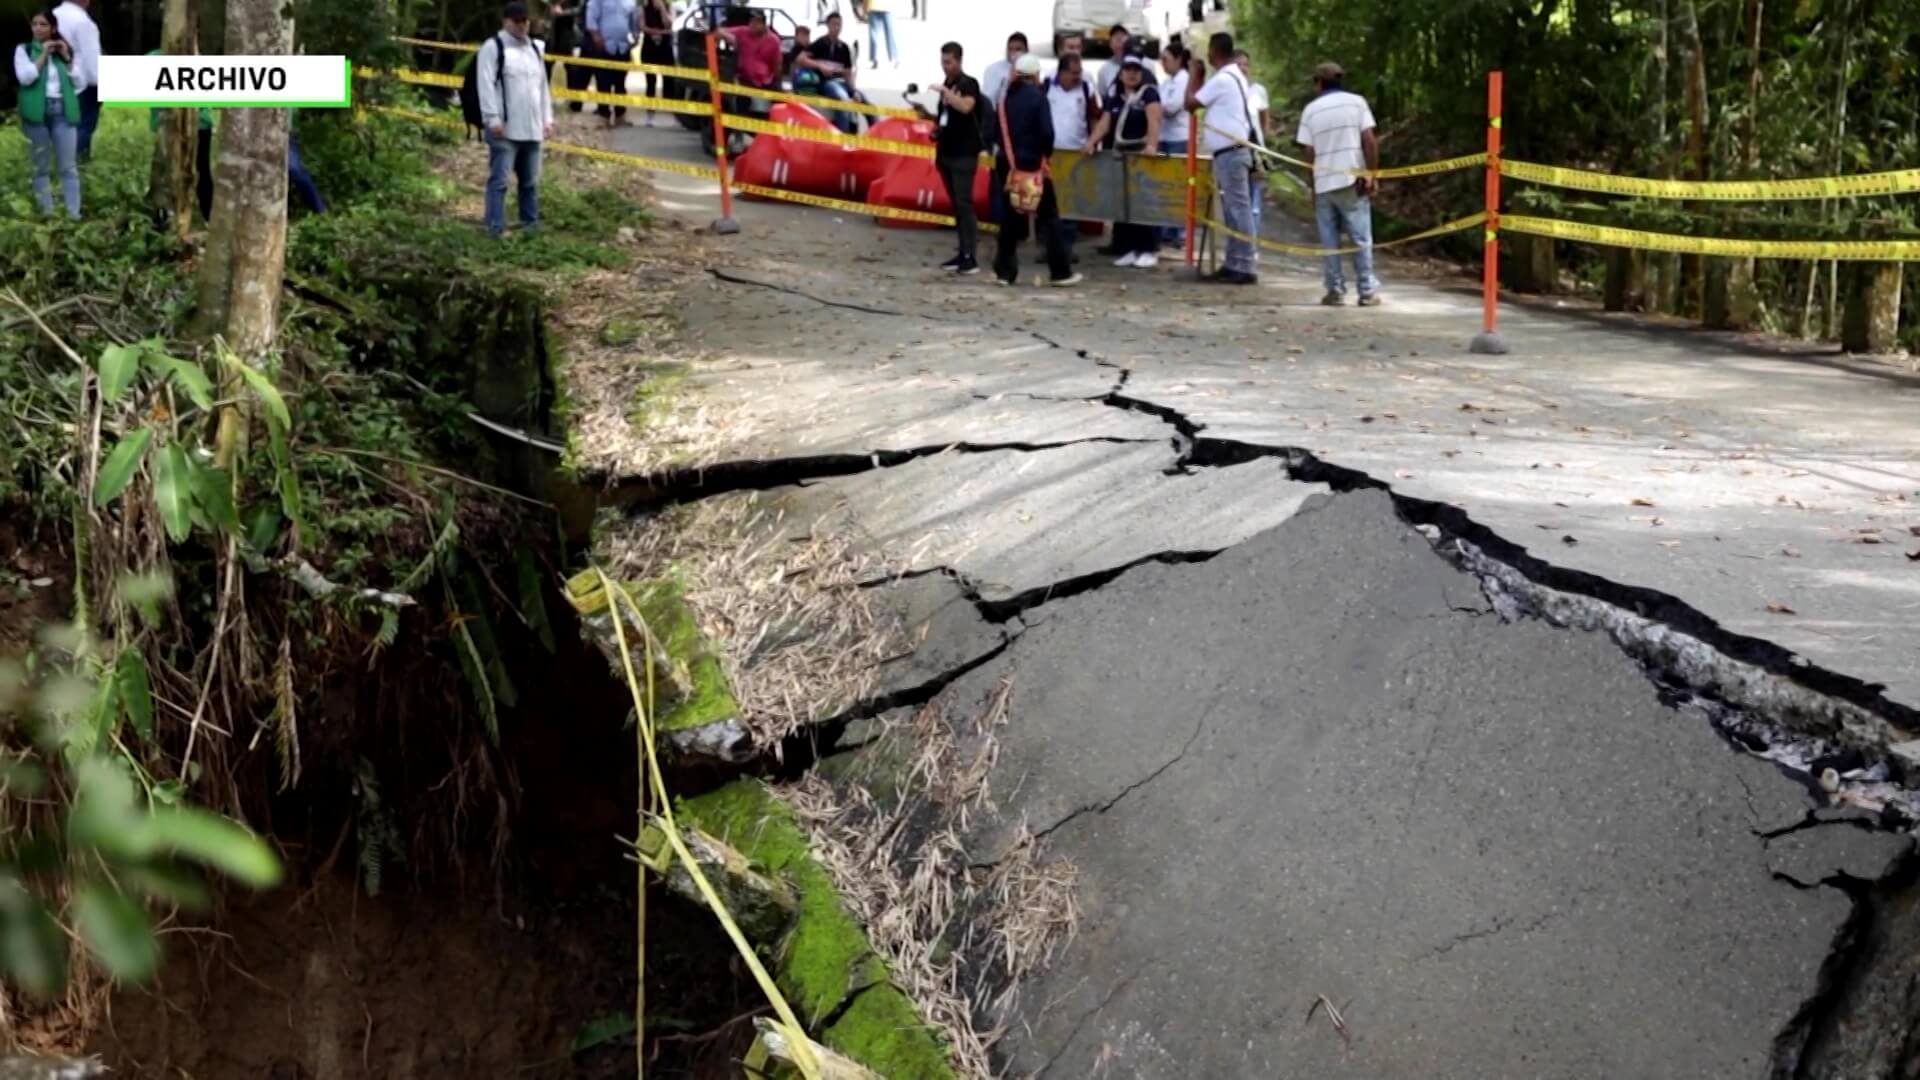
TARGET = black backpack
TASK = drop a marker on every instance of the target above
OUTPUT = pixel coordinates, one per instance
(470, 87)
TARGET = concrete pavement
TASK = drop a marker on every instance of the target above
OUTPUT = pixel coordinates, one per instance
(1291, 748)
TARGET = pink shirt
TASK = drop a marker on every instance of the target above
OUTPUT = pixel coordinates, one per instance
(759, 57)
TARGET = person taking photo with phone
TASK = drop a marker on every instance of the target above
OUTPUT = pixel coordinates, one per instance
(50, 111)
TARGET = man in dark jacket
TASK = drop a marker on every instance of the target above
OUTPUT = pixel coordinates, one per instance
(1028, 123)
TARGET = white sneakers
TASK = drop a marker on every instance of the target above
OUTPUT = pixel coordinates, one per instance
(1127, 261)
(1140, 260)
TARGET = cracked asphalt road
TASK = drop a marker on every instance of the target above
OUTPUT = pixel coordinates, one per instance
(1314, 762)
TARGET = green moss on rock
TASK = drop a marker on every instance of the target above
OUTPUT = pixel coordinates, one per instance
(882, 1031)
(653, 395)
(705, 696)
(826, 956)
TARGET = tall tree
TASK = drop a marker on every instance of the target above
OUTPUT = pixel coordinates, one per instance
(239, 285)
(170, 187)
(1742, 304)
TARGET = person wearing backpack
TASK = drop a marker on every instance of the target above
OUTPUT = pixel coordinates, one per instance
(516, 115)
(50, 111)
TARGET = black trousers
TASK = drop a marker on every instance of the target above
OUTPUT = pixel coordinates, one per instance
(203, 172)
(1014, 228)
(608, 80)
(656, 51)
(957, 174)
(580, 76)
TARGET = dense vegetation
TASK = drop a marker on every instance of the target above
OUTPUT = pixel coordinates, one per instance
(299, 618)
(1700, 89)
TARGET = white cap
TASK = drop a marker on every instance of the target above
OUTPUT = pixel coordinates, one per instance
(1028, 64)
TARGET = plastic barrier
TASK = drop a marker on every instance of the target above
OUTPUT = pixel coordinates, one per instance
(915, 184)
(781, 158)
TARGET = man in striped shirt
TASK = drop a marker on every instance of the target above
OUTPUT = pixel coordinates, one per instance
(1336, 131)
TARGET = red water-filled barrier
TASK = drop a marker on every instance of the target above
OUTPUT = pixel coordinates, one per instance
(804, 165)
(914, 184)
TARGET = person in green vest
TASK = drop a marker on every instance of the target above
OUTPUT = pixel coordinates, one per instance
(50, 111)
(202, 156)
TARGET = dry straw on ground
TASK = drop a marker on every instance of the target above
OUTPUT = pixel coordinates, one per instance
(958, 938)
(798, 637)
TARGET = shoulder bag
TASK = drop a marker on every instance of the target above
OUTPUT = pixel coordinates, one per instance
(1024, 187)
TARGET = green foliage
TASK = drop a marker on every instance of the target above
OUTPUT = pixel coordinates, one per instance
(115, 850)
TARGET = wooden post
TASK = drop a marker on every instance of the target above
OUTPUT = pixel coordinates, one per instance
(725, 226)
(1871, 323)
(1488, 340)
(1193, 169)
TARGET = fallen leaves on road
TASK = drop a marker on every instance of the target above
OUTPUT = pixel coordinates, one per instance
(1781, 609)
(1642, 502)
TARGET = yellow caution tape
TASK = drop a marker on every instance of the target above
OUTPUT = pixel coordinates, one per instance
(704, 172)
(696, 74)
(803, 1053)
(635, 101)
(1464, 161)
(1851, 250)
(835, 138)
(845, 205)
(1824, 187)
(1427, 168)
(657, 104)
(819, 103)
(1457, 225)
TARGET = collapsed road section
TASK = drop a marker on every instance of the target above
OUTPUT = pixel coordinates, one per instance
(1298, 775)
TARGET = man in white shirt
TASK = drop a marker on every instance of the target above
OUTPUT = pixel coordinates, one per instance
(1263, 123)
(1336, 131)
(1117, 40)
(1224, 131)
(1072, 102)
(78, 28)
(994, 80)
(516, 112)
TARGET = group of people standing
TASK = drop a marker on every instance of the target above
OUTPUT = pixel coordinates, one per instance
(58, 72)
(609, 30)
(1020, 118)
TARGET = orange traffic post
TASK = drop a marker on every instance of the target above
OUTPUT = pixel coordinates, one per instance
(725, 226)
(1489, 340)
(1193, 169)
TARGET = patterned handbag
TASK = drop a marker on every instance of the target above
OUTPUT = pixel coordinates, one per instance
(1024, 187)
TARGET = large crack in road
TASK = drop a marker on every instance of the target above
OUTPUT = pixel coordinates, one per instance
(1601, 834)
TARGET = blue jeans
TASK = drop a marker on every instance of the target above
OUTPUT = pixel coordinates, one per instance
(838, 90)
(302, 181)
(1174, 148)
(55, 141)
(1258, 193)
(1231, 175)
(878, 21)
(1348, 209)
(523, 157)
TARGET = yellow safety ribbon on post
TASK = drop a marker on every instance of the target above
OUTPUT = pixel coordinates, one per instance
(1819, 187)
(1608, 236)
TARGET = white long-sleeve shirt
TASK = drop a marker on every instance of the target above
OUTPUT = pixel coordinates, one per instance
(1173, 107)
(28, 73)
(78, 28)
(528, 105)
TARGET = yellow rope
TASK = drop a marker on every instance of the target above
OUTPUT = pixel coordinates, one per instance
(803, 1054)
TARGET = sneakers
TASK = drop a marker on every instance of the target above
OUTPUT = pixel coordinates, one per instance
(953, 264)
(1066, 282)
(967, 269)
(1334, 299)
(1370, 300)
(1146, 260)
(1127, 261)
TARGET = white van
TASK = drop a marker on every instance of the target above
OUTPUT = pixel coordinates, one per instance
(1153, 20)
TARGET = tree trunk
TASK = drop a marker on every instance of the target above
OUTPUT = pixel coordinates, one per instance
(1740, 308)
(1872, 322)
(239, 286)
(1626, 286)
(1700, 168)
(170, 185)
